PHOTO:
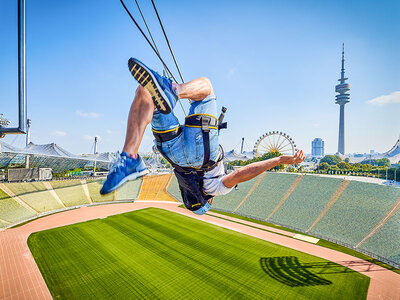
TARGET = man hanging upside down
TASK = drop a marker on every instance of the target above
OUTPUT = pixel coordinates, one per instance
(192, 149)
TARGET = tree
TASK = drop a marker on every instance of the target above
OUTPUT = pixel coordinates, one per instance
(383, 162)
(344, 165)
(367, 167)
(347, 159)
(370, 161)
(323, 166)
(331, 159)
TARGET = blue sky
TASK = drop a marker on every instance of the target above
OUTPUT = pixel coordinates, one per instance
(274, 64)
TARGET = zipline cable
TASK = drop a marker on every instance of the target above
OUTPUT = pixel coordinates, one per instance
(156, 51)
(147, 39)
(166, 38)
(148, 30)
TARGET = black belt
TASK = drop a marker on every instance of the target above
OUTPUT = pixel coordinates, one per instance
(165, 136)
(201, 120)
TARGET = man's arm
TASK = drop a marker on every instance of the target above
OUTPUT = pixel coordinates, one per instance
(252, 170)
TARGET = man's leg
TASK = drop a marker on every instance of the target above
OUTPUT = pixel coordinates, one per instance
(142, 108)
(129, 166)
(140, 116)
(195, 90)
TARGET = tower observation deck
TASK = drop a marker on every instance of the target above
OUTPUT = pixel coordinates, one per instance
(342, 98)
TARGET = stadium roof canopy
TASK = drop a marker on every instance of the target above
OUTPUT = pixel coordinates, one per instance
(233, 155)
(51, 156)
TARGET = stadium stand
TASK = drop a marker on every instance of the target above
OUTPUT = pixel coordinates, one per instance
(173, 189)
(129, 191)
(385, 242)
(361, 215)
(306, 202)
(3, 224)
(155, 188)
(267, 195)
(94, 186)
(11, 211)
(230, 201)
(359, 208)
(36, 195)
(70, 192)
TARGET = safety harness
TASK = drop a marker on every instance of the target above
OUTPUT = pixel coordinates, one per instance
(191, 180)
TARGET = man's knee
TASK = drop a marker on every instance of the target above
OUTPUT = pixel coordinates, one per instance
(141, 91)
(208, 85)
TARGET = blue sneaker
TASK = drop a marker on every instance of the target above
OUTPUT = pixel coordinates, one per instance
(123, 170)
(163, 94)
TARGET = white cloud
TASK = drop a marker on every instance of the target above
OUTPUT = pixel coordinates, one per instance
(91, 115)
(59, 133)
(231, 72)
(386, 99)
(108, 131)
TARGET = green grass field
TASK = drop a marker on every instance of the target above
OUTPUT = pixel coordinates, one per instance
(154, 253)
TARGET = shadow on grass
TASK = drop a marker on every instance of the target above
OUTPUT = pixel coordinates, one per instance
(288, 270)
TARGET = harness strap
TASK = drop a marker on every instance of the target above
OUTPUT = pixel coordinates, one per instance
(205, 122)
(197, 121)
(205, 129)
(221, 124)
(167, 135)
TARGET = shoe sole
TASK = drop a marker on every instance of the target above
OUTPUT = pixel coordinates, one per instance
(147, 80)
(128, 178)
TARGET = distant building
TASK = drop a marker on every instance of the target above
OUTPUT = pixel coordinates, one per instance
(317, 147)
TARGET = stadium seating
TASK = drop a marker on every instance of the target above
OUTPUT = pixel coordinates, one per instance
(231, 200)
(267, 195)
(306, 202)
(70, 192)
(173, 189)
(155, 188)
(130, 190)
(36, 195)
(11, 211)
(94, 186)
(360, 207)
(386, 241)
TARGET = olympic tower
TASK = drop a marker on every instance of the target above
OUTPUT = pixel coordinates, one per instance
(342, 88)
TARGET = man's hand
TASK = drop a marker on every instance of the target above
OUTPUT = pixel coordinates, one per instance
(293, 159)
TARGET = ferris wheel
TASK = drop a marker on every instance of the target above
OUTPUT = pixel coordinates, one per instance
(274, 141)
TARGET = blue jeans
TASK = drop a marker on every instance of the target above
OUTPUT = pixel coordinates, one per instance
(187, 149)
